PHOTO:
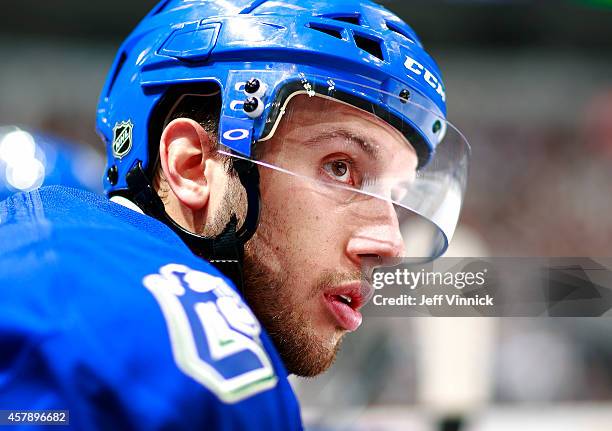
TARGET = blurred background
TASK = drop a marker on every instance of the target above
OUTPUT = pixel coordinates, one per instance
(529, 84)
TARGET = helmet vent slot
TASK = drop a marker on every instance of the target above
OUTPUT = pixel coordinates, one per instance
(393, 27)
(351, 19)
(369, 45)
(337, 33)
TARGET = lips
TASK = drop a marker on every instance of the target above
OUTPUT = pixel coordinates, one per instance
(345, 301)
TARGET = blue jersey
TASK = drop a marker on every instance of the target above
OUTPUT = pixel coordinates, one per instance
(106, 313)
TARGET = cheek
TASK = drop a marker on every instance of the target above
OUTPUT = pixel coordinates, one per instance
(302, 228)
(305, 221)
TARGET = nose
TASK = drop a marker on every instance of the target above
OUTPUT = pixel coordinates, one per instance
(378, 236)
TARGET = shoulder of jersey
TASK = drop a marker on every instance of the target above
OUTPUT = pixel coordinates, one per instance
(122, 306)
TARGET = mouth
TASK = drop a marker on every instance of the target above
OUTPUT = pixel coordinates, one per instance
(345, 301)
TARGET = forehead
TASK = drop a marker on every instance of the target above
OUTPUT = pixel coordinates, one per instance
(304, 110)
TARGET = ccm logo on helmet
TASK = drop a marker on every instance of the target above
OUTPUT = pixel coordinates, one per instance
(418, 69)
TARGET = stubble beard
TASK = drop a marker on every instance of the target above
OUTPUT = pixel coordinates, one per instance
(302, 350)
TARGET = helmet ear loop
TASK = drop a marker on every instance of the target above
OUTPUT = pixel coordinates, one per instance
(229, 258)
(249, 178)
(226, 251)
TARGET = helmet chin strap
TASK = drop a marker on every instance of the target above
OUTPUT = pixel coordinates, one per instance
(225, 251)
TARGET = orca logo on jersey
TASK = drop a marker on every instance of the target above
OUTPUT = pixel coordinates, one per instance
(122, 138)
(214, 335)
(418, 69)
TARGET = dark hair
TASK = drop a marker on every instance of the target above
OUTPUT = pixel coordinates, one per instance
(200, 103)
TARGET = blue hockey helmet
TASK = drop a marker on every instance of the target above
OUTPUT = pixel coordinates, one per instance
(257, 56)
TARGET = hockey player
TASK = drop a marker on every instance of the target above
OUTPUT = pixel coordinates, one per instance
(259, 152)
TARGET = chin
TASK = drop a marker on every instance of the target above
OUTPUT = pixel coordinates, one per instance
(333, 337)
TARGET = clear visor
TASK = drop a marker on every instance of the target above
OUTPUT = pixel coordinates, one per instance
(396, 196)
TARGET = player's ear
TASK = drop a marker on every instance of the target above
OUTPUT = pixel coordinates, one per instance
(186, 153)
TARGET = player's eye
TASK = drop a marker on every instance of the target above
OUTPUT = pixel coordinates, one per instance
(340, 170)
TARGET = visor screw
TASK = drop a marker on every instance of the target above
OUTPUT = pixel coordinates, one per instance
(404, 96)
(437, 126)
(250, 105)
(253, 107)
(252, 86)
(112, 175)
(255, 88)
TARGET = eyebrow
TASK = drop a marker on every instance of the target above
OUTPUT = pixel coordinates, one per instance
(360, 140)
